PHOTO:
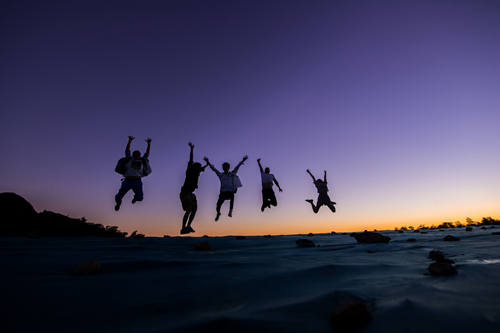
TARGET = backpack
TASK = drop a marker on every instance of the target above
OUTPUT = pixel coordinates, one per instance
(121, 165)
(146, 168)
(236, 183)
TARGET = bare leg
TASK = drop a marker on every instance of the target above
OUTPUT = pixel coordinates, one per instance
(314, 208)
(332, 207)
(231, 204)
(185, 218)
(191, 217)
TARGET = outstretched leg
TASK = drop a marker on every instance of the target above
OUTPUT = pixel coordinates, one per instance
(272, 199)
(138, 193)
(218, 206)
(124, 188)
(314, 208)
(231, 204)
(332, 207)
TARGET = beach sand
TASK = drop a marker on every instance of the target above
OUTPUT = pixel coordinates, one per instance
(264, 284)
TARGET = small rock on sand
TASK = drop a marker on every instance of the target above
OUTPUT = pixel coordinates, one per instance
(89, 267)
(350, 316)
(450, 238)
(304, 243)
(438, 256)
(468, 229)
(202, 246)
(442, 269)
(370, 237)
(240, 237)
(411, 240)
(496, 233)
(310, 234)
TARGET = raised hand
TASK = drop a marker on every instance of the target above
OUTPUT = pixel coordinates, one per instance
(258, 160)
(206, 160)
(148, 140)
(245, 157)
(191, 145)
(131, 137)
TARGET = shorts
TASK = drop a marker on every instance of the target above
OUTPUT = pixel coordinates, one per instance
(188, 201)
(323, 199)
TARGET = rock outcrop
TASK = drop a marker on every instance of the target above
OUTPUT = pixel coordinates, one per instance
(370, 237)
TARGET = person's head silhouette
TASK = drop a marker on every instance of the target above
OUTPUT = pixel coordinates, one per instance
(225, 166)
(136, 155)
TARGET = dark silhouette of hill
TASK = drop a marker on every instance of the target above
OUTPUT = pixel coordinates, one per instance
(19, 218)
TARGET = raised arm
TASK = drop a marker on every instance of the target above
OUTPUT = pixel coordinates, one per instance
(260, 166)
(309, 172)
(217, 172)
(235, 170)
(148, 149)
(191, 146)
(325, 176)
(127, 149)
(277, 184)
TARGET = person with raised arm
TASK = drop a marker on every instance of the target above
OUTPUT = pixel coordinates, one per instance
(133, 167)
(229, 183)
(323, 198)
(268, 196)
(187, 196)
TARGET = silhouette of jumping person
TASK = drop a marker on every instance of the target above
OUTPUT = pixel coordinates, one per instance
(229, 184)
(133, 167)
(187, 196)
(323, 198)
(268, 196)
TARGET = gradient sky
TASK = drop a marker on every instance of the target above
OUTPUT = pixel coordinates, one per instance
(398, 100)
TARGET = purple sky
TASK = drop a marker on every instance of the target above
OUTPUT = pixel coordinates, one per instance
(398, 100)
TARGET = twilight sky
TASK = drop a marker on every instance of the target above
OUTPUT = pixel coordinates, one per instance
(398, 100)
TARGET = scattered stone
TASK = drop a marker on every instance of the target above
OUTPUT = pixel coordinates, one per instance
(496, 233)
(371, 237)
(310, 234)
(350, 316)
(240, 237)
(268, 236)
(423, 232)
(370, 251)
(416, 231)
(411, 240)
(304, 243)
(202, 246)
(438, 256)
(332, 233)
(205, 236)
(400, 231)
(468, 229)
(166, 236)
(441, 229)
(483, 228)
(450, 238)
(442, 269)
(89, 267)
